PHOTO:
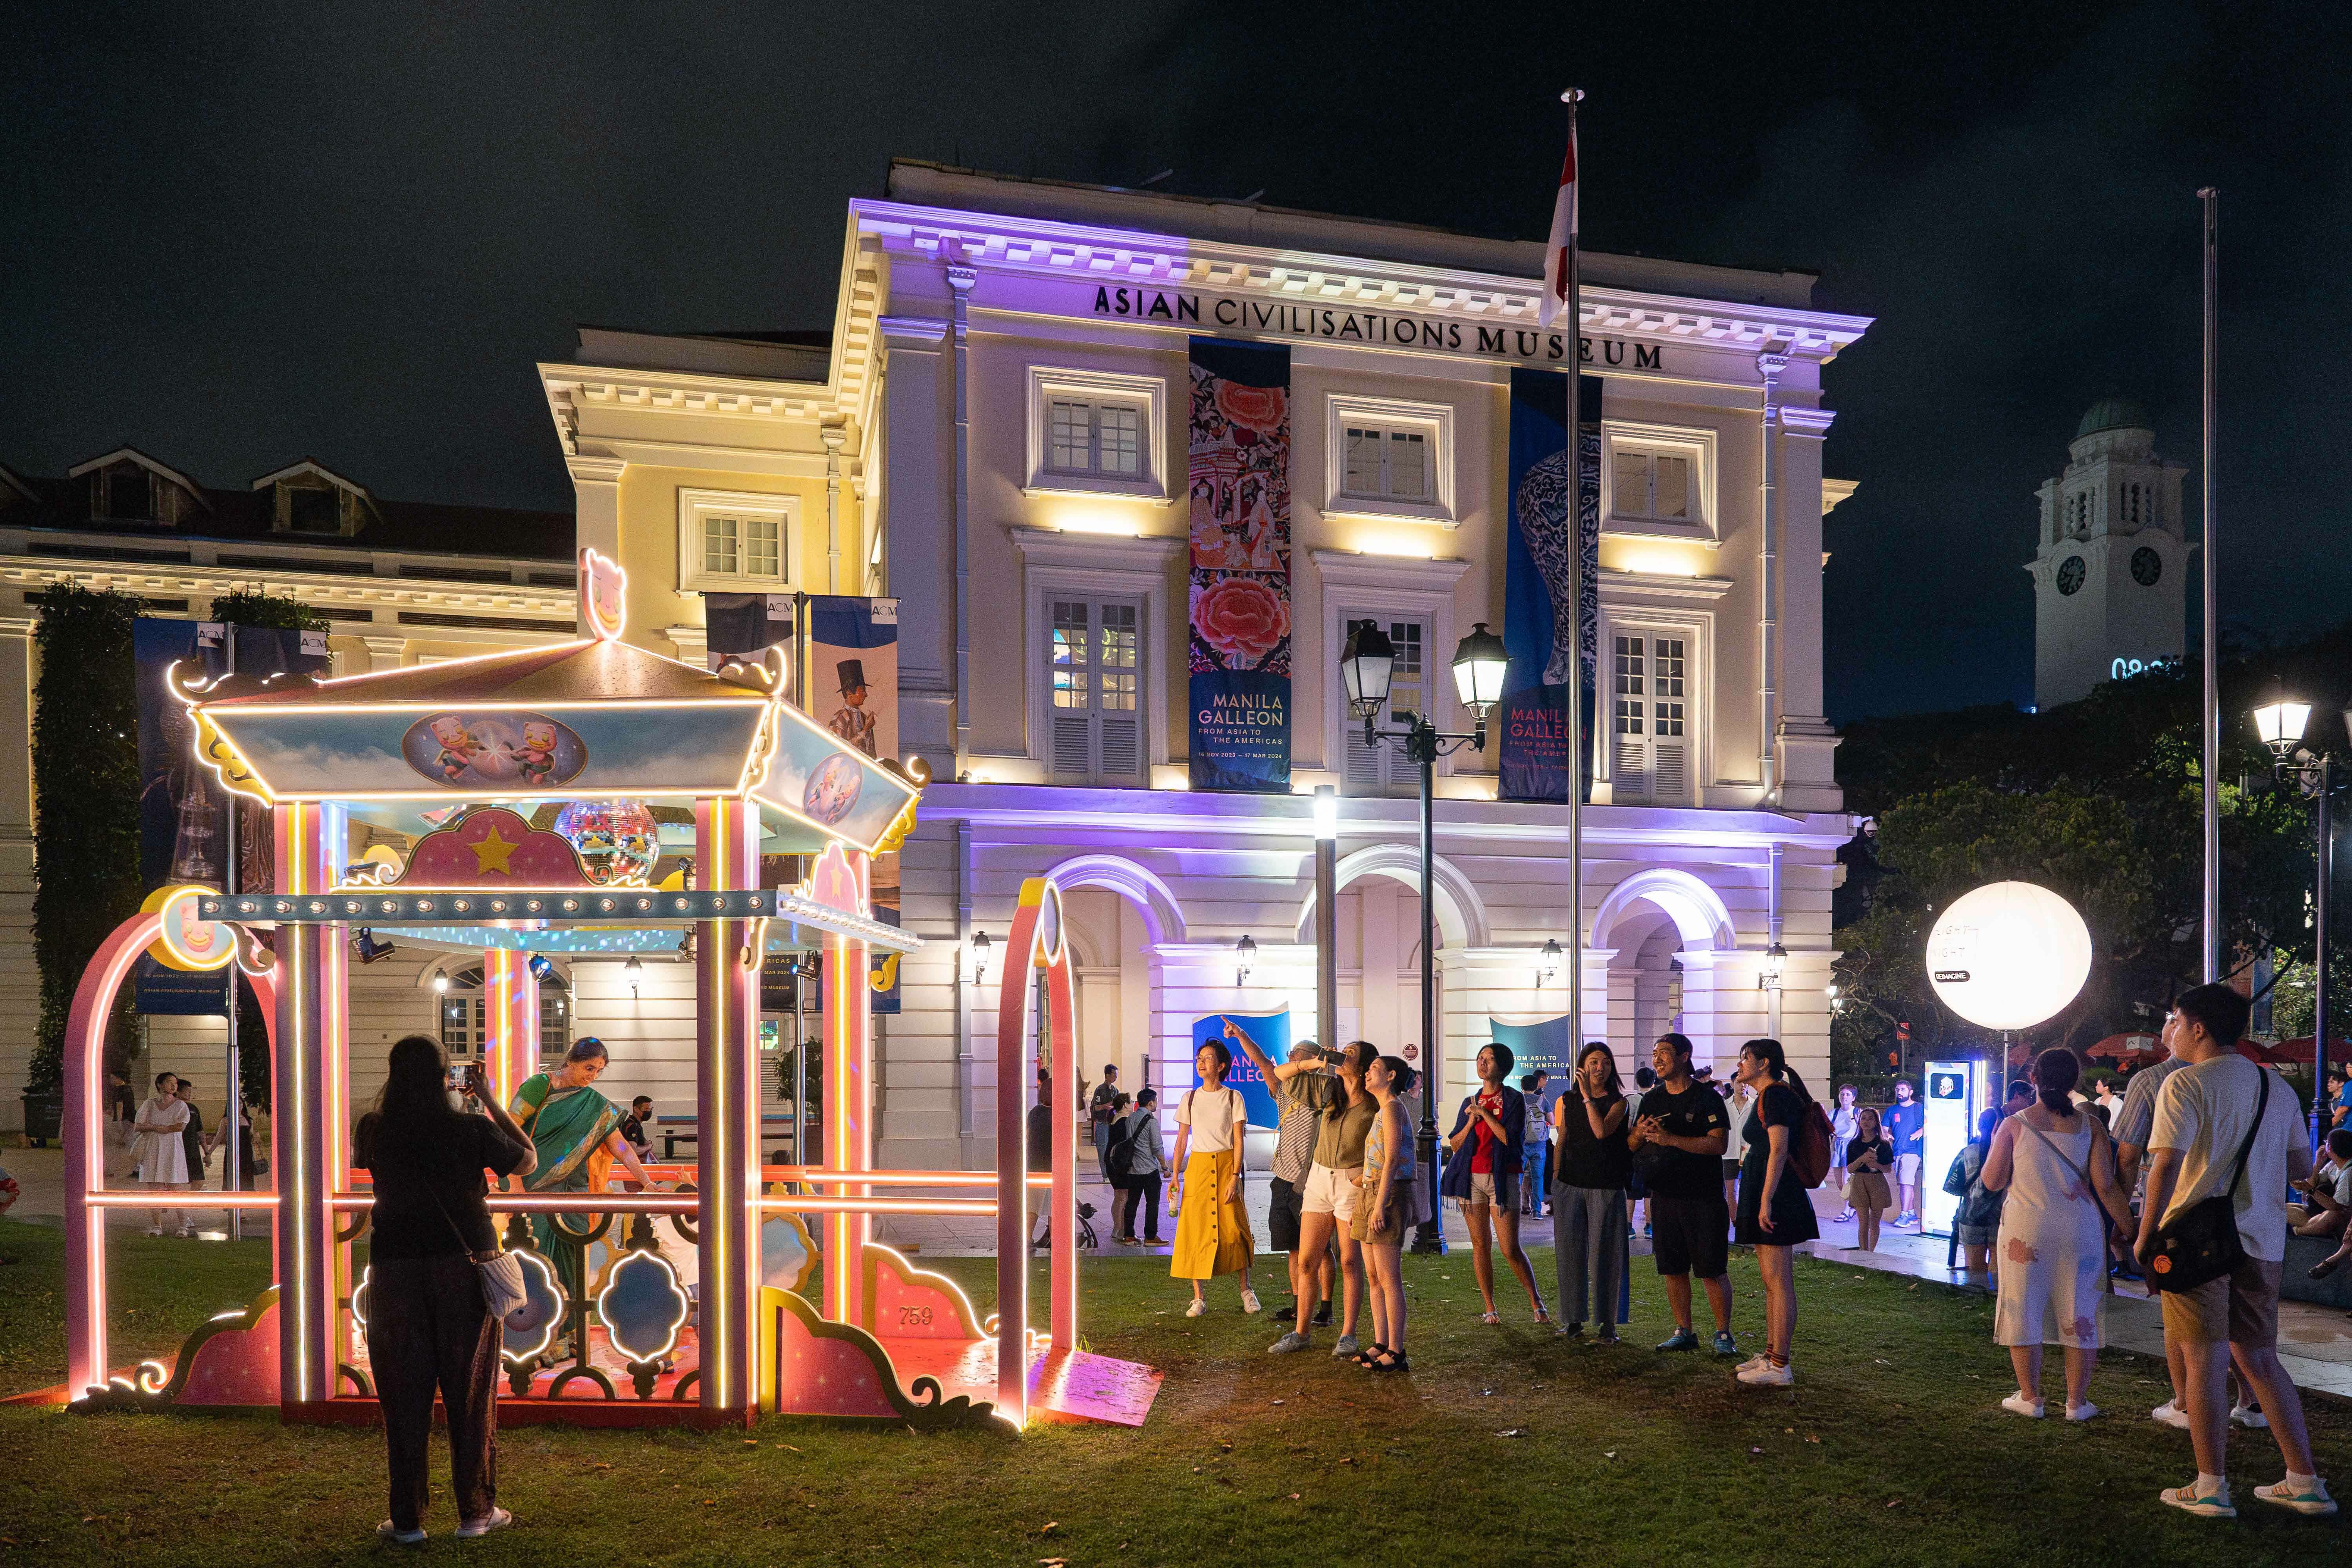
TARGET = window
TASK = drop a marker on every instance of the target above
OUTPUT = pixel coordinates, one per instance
(1095, 439)
(1389, 459)
(1649, 740)
(731, 542)
(1095, 664)
(1654, 485)
(465, 1016)
(130, 494)
(1658, 479)
(1386, 463)
(313, 509)
(1096, 432)
(1384, 769)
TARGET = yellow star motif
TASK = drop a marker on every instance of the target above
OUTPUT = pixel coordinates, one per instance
(490, 855)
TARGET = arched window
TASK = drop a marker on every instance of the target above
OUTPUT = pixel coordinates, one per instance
(465, 1014)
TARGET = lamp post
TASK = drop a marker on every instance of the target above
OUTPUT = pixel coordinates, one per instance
(1245, 959)
(1365, 665)
(2280, 723)
(1327, 916)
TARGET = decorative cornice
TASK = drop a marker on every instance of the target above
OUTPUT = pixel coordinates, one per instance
(1806, 421)
(1354, 569)
(1121, 551)
(1663, 585)
(32, 573)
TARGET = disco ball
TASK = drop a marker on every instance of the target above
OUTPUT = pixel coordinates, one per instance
(617, 841)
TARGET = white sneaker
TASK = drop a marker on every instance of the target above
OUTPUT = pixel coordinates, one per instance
(2250, 1416)
(2170, 1413)
(2082, 1412)
(1751, 1362)
(384, 1531)
(157, 1230)
(2205, 1505)
(1249, 1301)
(2315, 1502)
(1347, 1346)
(2018, 1405)
(1293, 1341)
(1767, 1376)
(497, 1518)
(1199, 1306)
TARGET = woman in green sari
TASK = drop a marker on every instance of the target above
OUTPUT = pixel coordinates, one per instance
(576, 1133)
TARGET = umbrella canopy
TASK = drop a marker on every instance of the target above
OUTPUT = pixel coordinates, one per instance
(2128, 1048)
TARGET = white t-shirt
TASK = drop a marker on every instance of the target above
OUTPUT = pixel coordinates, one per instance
(1215, 1117)
(2204, 1111)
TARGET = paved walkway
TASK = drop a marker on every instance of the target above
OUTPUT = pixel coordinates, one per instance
(2314, 1342)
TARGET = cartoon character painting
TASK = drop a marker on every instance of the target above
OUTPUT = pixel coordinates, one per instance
(833, 790)
(501, 750)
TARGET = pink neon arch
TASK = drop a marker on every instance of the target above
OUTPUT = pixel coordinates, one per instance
(85, 1140)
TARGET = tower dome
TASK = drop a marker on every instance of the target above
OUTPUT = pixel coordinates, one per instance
(2114, 413)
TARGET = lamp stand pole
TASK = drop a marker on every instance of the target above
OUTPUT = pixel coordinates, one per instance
(1326, 940)
(2319, 954)
(1420, 745)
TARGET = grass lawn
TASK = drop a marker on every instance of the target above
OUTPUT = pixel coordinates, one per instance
(1890, 1449)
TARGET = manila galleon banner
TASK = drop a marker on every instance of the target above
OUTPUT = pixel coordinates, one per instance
(1239, 601)
(1543, 631)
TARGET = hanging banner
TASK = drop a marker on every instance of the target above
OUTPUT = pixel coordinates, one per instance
(1239, 601)
(1536, 1044)
(1271, 1033)
(853, 687)
(1542, 629)
(183, 812)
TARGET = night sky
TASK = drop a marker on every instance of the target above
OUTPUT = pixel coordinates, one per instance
(237, 236)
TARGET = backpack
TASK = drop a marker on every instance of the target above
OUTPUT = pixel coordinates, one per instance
(1121, 1153)
(1808, 1149)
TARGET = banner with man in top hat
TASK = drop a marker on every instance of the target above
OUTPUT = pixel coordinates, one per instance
(853, 691)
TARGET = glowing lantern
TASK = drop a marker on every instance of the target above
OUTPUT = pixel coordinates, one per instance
(617, 841)
(2009, 955)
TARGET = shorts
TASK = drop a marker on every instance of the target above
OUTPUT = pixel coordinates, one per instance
(1906, 1170)
(1385, 1224)
(1867, 1190)
(1282, 1210)
(1691, 1235)
(2240, 1308)
(1498, 1188)
(1331, 1192)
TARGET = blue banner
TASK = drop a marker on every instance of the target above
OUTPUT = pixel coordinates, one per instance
(1545, 1044)
(1540, 576)
(1239, 646)
(1271, 1033)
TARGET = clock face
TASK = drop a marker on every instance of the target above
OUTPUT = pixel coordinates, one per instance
(2070, 575)
(2146, 566)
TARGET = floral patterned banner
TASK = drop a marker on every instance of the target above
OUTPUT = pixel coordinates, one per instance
(1240, 656)
(1539, 576)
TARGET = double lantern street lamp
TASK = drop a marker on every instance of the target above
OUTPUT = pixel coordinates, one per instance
(1365, 665)
(2280, 724)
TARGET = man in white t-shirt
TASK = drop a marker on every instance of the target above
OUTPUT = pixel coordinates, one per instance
(2215, 1106)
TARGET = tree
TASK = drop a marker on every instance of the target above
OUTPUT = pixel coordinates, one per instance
(84, 802)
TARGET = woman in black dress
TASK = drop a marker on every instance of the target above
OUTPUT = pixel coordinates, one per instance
(1776, 1212)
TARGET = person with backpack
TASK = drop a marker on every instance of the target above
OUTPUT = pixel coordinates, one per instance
(1136, 1160)
(1787, 1153)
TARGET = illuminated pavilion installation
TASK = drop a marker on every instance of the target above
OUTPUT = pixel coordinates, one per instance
(517, 794)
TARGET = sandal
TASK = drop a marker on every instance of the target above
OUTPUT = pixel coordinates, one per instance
(1543, 1315)
(2327, 1266)
(1369, 1355)
(1492, 1320)
(1397, 1362)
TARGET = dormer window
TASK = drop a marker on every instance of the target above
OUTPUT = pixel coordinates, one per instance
(313, 510)
(130, 494)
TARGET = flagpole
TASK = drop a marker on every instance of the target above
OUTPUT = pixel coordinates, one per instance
(2212, 716)
(1573, 97)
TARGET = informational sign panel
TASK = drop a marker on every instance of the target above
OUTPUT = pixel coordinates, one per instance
(1957, 1091)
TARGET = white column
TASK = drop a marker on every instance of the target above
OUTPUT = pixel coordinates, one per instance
(596, 511)
(20, 987)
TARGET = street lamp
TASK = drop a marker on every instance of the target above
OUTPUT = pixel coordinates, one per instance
(1768, 973)
(1547, 961)
(1245, 957)
(1365, 665)
(2280, 724)
(635, 973)
(980, 945)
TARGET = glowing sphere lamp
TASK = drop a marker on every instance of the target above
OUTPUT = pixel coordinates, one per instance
(2009, 955)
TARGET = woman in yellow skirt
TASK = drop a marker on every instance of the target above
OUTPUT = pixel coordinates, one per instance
(1212, 1233)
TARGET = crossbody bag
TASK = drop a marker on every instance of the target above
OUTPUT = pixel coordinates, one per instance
(503, 1289)
(2201, 1242)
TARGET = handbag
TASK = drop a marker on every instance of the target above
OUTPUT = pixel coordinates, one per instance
(2201, 1243)
(1956, 1179)
(503, 1289)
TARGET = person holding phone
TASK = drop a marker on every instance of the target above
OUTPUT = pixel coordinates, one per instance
(428, 1329)
(1385, 1212)
(1588, 1201)
(1486, 1160)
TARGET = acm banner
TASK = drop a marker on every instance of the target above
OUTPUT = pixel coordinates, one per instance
(183, 812)
(853, 685)
(1543, 630)
(1240, 600)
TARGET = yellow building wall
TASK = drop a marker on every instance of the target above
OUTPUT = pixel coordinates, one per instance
(649, 544)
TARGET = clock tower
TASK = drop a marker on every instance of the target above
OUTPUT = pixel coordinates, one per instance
(2110, 566)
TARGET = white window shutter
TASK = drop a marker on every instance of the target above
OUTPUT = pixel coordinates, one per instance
(1629, 769)
(1122, 752)
(1073, 744)
(1668, 783)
